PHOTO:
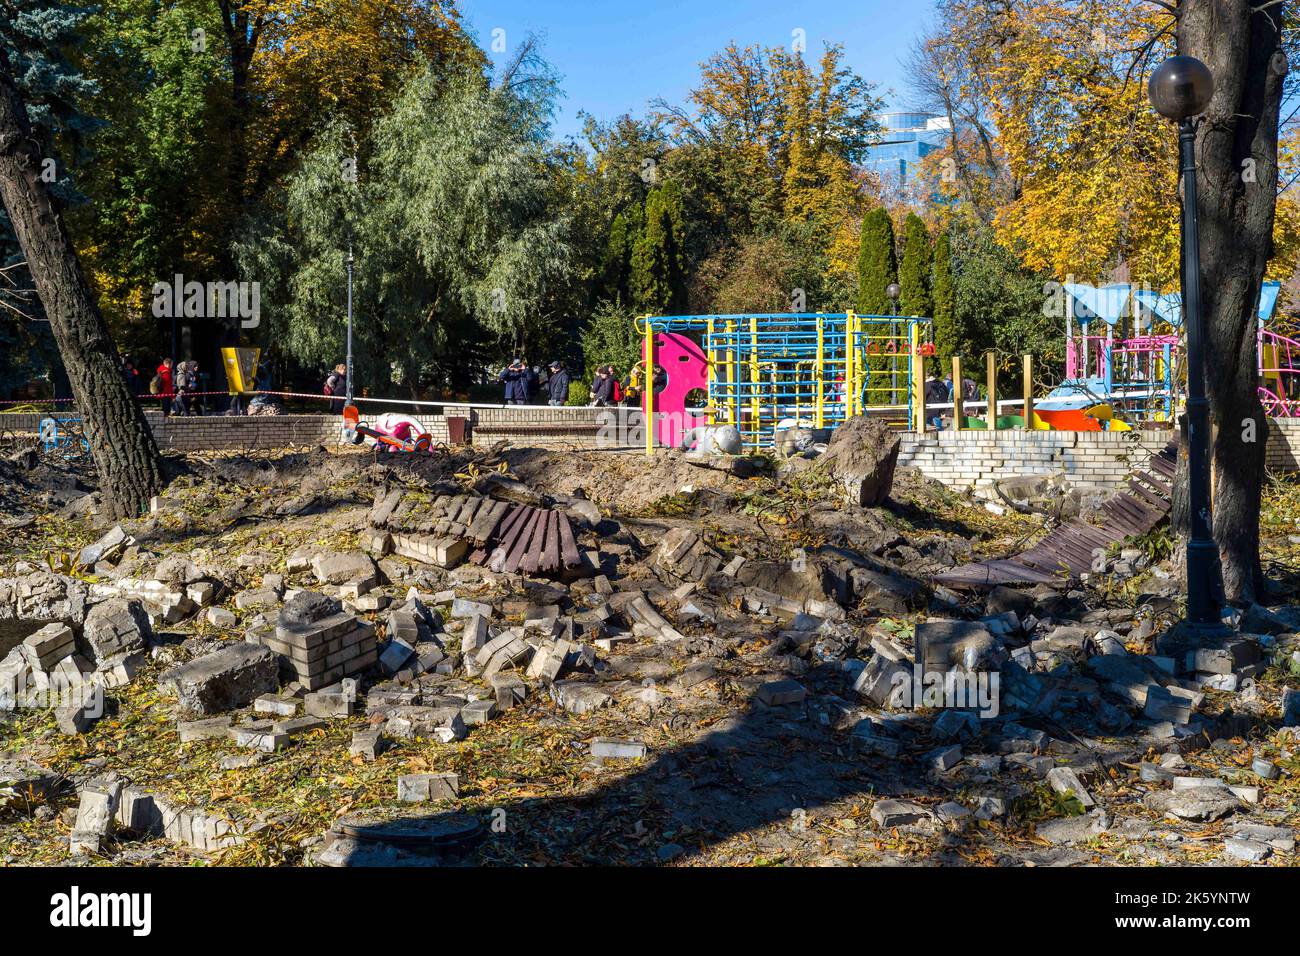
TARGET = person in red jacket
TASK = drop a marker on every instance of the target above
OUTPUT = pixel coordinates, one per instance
(165, 390)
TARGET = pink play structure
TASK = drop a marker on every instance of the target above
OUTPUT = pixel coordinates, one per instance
(684, 361)
(1279, 372)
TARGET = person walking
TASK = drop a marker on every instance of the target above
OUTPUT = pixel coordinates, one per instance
(336, 384)
(162, 386)
(557, 385)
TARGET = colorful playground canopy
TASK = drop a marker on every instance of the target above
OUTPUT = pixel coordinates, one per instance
(1110, 302)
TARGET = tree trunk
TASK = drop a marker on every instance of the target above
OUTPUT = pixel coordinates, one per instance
(130, 468)
(1237, 190)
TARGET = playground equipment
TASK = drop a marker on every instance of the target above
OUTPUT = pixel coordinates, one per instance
(391, 431)
(1279, 373)
(62, 436)
(760, 371)
(1139, 376)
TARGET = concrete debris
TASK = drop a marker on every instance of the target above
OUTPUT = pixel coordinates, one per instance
(226, 679)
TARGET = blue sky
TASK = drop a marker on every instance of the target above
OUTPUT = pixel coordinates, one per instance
(614, 57)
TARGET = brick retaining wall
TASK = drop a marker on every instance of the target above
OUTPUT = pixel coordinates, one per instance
(1091, 460)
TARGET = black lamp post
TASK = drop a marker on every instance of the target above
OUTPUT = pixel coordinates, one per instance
(349, 360)
(893, 290)
(1180, 89)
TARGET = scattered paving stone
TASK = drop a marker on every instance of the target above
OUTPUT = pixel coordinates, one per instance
(579, 698)
(421, 787)
(240, 761)
(276, 704)
(780, 692)
(1067, 830)
(96, 817)
(368, 744)
(990, 808)
(1065, 781)
(1264, 768)
(952, 812)
(888, 814)
(607, 748)
(478, 712)
(944, 759)
(220, 617)
(206, 729)
(78, 717)
(343, 568)
(264, 739)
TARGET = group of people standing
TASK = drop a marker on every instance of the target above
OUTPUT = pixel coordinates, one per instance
(523, 384)
(176, 388)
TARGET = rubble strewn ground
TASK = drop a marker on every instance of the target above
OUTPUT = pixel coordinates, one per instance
(303, 664)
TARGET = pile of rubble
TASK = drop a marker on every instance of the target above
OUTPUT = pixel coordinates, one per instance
(436, 615)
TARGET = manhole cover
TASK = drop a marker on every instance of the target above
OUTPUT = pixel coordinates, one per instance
(454, 831)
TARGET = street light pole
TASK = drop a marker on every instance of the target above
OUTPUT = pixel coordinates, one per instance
(1181, 88)
(349, 375)
(1201, 550)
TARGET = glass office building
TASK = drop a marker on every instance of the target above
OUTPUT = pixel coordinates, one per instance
(905, 140)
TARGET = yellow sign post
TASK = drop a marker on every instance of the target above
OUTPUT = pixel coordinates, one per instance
(241, 369)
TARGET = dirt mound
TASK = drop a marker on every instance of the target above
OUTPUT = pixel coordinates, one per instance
(629, 481)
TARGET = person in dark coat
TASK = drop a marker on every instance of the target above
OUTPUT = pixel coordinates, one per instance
(557, 386)
(936, 393)
(134, 382)
(515, 379)
(602, 387)
(336, 383)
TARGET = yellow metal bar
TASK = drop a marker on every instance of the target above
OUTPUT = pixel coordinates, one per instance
(917, 362)
(957, 409)
(1027, 363)
(991, 380)
(648, 387)
(820, 374)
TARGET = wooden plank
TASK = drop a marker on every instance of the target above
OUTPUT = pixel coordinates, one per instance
(516, 522)
(550, 560)
(1156, 482)
(1137, 488)
(519, 554)
(532, 555)
(568, 544)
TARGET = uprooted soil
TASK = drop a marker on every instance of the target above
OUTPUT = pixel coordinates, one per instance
(727, 780)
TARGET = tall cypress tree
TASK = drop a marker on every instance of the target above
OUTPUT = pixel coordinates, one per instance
(945, 315)
(658, 273)
(624, 232)
(914, 275)
(877, 263)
